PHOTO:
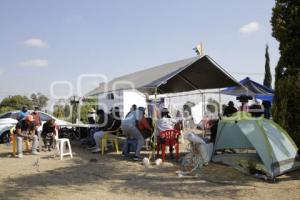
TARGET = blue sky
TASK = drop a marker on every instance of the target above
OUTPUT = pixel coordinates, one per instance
(58, 40)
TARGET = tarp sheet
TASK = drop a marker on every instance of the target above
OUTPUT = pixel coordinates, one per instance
(252, 88)
(194, 73)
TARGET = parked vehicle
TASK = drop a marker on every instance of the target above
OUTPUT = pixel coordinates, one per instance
(9, 119)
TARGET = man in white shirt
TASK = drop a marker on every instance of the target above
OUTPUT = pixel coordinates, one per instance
(165, 123)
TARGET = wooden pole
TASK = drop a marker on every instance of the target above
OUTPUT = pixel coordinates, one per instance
(153, 141)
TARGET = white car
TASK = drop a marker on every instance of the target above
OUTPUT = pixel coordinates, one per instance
(8, 120)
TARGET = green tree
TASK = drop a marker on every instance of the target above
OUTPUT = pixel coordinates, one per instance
(39, 100)
(58, 111)
(268, 76)
(67, 111)
(286, 110)
(86, 105)
(4, 109)
(15, 103)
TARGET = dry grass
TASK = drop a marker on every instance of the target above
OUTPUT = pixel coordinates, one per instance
(91, 176)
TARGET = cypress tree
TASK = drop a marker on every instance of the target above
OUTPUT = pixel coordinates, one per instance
(286, 29)
(268, 76)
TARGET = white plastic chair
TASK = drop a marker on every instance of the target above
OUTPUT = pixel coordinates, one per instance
(60, 146)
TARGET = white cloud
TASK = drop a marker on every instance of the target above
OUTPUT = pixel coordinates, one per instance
(39, 63)
(250, 27)
(35, 42)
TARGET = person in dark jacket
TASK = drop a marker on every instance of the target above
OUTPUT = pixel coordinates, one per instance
(25, 130)
(113, 128)
(267, 109)
(104, 122)
(229, 110)
(49, 133)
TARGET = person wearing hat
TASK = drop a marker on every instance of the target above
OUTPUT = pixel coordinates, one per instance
(25, 130)
(130, 129)
(165, 122)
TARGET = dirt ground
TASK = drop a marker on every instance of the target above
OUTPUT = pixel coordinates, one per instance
(92, 176)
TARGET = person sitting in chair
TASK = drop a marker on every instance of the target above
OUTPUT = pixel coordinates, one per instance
(104, 121)
(115, 125)
(91, 116)
(165, 123)
(25, 130)
(49, 133)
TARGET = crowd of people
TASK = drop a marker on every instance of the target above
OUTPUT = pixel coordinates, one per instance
(255, 109)
(135, 126)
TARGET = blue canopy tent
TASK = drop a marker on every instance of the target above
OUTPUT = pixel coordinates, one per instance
(250, 88)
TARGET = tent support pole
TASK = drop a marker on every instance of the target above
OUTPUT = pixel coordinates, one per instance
(153, 141)
(220, 103)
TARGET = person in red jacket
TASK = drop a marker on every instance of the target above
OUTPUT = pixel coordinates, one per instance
(36, 117)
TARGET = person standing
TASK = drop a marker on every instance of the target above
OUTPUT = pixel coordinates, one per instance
(267, 109)
(37, 123)
(25, 130)
(132, 109)
(22, 114)
(36, 117)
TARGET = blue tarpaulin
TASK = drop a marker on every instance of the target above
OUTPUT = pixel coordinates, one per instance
(250, 88)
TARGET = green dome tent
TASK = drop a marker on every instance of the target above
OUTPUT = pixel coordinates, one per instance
(255, 139)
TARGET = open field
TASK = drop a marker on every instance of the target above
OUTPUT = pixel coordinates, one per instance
(91, 176)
